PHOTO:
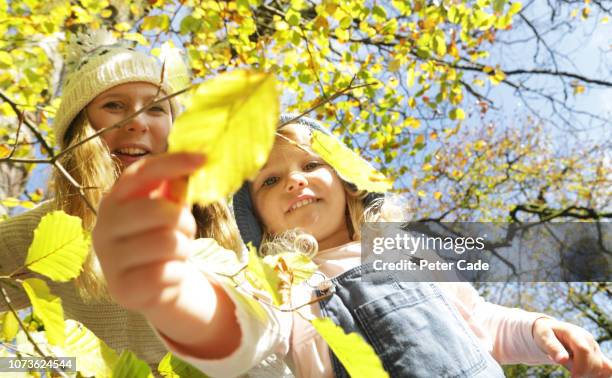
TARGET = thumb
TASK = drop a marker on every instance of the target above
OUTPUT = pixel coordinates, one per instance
(553, 347)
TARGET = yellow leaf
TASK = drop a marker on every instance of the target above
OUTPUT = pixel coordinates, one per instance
(122, 27)
(498, 77)
(300, 266)
(214, 258)
(263, 276)
(232, 120)
(171, 366)
(6, 59)
(59, 247)
(457, 114)
(16, 202)
(419, 139)
(579, 89)
(480, 145)
(95, 358)
(129, 366)
(355, 354)
(281, 25)
(350, 166)
(421, 193)
(47, 307)
(10, 326)
(427, 167)
(437, 195)
(410, 76)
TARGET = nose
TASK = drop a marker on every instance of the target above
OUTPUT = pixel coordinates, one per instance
(138, 123)
(296, 180)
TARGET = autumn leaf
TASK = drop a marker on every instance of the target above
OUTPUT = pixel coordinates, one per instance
(59, 247)
(232, 120)
(457, 114)
(173, 367)
(10, 326)
(209, 255)
(94, 357)
(355, 354)
(350, 166)
(47, 307)
(299, 265)
(129, 366)
(263, 276)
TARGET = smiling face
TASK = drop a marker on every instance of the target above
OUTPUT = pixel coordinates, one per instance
(297, 189)
(144, 134)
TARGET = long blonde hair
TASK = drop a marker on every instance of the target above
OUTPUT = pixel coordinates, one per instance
(92, 166)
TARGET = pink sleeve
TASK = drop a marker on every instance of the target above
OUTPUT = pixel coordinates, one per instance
(265, 331)
(507, 332)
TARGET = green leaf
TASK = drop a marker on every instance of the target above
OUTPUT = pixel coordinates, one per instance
(355, 354)
(299, 265)
(94, 357)
(263, 276)
(498, 5)
(59, 247)
(129, 366)
(10, 326)
(350, 166)
(173, 367)
(211, 256)
(48, 308)
(232, 120)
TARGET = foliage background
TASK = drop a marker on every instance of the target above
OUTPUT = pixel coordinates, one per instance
(479, 110)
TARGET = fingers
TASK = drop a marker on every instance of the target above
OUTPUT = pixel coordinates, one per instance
(150, 252)
(146, 175)
(586, 357)
(147, 286)
(551, 345)
(144, 214)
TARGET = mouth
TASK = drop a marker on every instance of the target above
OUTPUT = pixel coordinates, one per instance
(301, 203)
(129, 155)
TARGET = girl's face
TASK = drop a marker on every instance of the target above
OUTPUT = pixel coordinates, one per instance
(144, 134)
(297, 189)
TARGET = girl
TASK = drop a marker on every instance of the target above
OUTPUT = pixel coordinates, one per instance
(105, 83)
(421, 330)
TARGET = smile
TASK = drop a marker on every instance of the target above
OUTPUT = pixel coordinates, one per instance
(302, 203)
(131, 151)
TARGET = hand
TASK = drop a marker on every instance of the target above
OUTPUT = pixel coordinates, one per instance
(143, 229)
(572, 347)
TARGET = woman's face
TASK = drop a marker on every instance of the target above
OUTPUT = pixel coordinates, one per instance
(144, 134)
(297, 189)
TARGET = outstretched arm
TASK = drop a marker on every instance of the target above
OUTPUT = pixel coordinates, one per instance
(142, 240)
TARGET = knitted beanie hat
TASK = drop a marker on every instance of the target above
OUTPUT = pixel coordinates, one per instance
(95, 63)
(249, 226)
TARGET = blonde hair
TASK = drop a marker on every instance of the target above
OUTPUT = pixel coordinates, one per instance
(92, 166)
(356, 214)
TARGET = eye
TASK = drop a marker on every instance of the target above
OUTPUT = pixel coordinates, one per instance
(310, 166)
(113, 105)
(270, 181)
(157, 109)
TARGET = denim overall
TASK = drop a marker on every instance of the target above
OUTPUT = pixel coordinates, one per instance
(411, 326)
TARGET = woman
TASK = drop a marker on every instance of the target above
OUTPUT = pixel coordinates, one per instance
(106, 83)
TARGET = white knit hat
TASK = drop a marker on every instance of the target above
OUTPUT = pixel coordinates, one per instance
(95, 63)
